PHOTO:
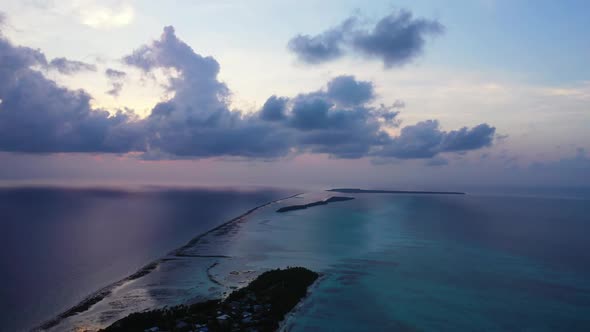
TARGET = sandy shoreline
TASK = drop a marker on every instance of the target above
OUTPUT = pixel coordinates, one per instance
(104, 292)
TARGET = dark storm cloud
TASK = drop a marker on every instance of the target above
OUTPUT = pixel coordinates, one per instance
(37, 115)
(68, 67)
(116, 78)
(395, 39)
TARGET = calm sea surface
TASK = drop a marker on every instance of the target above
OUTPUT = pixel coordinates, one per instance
(59, 245)
(389, 262)
(449, 263)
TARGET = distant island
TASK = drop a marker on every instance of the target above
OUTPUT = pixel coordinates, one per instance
(363, 191)
(260, 306)
(305, 206)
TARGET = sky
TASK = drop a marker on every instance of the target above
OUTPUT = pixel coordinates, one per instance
(404, 94)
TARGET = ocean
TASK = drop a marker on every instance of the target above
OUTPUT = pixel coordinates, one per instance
(59, 245)
(389, 262)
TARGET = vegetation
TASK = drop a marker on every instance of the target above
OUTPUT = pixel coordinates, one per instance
(363, 191)
(305, 206)
(260, 306)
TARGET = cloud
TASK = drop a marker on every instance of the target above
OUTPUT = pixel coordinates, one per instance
(347, 91)
(15, 58)
(466, 139)
(197, 90)
(197, 121)
(322, 126)
(323, 47)
(69, 67)
(114, 74)
(116, 78)
(274, 109)
(38, 116)
(426, 140)
(340, 120)
(395, 39)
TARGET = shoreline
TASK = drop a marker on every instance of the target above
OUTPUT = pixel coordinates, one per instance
(105, 291)
(326, 201)
(371, 191)
(97, 296)
(262, 305)
(284, 325)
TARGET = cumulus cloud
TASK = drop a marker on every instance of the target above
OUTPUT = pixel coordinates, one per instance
(274, 109)
(347, 91)
(395, 39)
(197, 121)
(425, 140)
(322, 126)
(37, 115)
(69, 67)
(323, 47)
(116, 78)
(197, 90)
(468, 139)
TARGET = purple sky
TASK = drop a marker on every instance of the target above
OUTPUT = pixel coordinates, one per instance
(372, 97)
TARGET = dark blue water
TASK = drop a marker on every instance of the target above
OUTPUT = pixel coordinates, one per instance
(389, 262)
(59, 245)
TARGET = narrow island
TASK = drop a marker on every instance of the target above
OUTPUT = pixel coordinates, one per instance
(363, 191)
(260, 306)
(323, 202)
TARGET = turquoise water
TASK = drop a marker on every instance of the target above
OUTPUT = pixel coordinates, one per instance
(451, 264)
(392, 263)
